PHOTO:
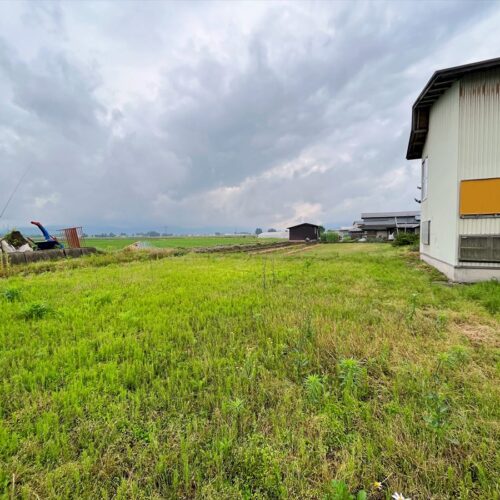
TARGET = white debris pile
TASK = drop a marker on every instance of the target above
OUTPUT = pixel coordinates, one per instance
(15, 242)
(139, 245)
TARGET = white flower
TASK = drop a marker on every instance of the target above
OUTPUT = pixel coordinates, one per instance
(400, 496)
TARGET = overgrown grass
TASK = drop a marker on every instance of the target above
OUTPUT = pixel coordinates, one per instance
(310, 375)
(487, 293)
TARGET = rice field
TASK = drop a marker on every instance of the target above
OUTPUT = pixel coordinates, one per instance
(309, 374)
(119, 243)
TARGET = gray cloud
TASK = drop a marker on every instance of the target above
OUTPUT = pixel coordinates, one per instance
(219, 114)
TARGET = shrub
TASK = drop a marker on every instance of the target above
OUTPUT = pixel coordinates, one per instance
(36, 310)
(402, 239)
(315, 389)
(11, 294)
(330, 237)
(455, 357)
(438, 412)
(352, 376)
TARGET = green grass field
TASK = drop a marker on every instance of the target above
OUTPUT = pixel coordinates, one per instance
(174, 241)
(285, 375)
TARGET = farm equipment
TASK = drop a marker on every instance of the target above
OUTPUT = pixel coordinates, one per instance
(15, 248)
(15, 241)
(50, 242)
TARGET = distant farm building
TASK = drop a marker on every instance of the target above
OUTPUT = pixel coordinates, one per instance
(455, 133)
(385, 225)
(304, 232)
(274, 234)
(346, 231)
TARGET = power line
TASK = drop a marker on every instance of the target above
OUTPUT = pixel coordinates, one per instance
(14, 191)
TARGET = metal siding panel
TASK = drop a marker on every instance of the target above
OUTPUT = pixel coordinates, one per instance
(479, 140)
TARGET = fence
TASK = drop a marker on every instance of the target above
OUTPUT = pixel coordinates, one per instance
(72, 237)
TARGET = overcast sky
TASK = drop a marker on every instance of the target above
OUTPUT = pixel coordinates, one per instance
(220, 114)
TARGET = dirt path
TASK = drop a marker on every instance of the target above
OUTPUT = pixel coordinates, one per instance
(274, 249)
(303, 248)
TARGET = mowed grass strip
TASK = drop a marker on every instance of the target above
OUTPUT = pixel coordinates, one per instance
(237, 376)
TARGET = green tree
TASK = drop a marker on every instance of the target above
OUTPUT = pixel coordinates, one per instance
(403, 238)
(330, 237)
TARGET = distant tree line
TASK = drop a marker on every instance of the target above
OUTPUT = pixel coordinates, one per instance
(148, 234)
(270, 230)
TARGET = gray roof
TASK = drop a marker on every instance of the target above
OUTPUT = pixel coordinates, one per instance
(381, 215)
(439, 83)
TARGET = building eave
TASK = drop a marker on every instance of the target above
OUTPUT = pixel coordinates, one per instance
(303, 224)
(438, 84)
(378, 215)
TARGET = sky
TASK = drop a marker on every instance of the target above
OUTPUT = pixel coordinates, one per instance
(208, 114)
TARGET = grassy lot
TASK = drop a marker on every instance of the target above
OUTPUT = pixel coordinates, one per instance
(174, 242)
(301, 375)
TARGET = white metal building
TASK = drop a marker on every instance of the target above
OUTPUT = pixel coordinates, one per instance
(456, 133)
(274, 234)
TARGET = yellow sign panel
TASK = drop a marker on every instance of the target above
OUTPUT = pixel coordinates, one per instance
(480, 197)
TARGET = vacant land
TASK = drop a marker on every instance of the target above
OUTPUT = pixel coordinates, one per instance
(237, 376)
(174, 241)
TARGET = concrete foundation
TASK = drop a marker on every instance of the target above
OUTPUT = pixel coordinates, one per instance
(44, 255)
(463, 274)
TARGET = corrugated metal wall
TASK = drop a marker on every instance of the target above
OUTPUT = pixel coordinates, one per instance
(479, 139)
(479, 127)
(479, 143)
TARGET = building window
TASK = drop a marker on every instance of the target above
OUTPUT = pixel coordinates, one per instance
(425, 230)
(479, 248)
(425, 177)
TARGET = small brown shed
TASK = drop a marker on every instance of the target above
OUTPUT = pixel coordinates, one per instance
(303, 232)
